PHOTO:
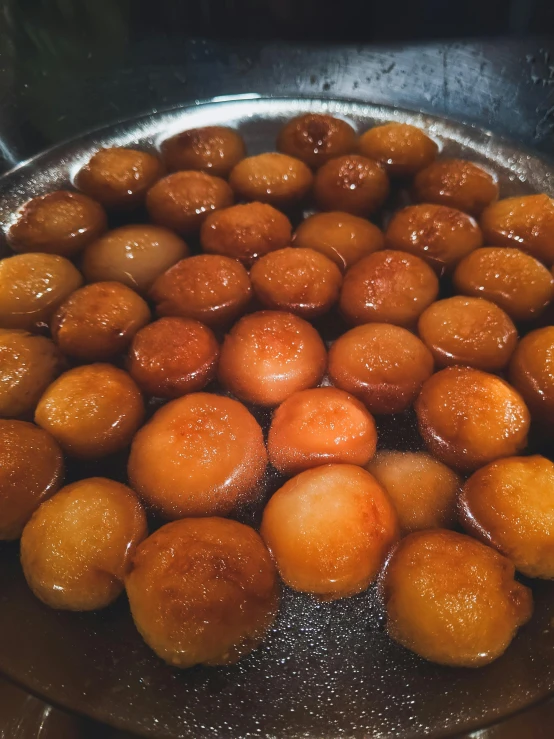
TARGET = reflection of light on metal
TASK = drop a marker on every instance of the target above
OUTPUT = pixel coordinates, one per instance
(8, 154)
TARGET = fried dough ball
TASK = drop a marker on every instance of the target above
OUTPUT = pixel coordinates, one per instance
(91, 411)
(210, 288)
(98, 321)
(342, 237)
(302, 281)
(212, 149)
(271, 178)
(469, 331)
(77, 548)
(509, 504)
(526, 222)
(451, 599)
(329, 530)
(315, 138)
(245, 232)
(269, 355)
(351, 183)
(32, 286)
(400, 148)
(532, 372)
(468, 418)
(382, 365)
(388, 287)
(512, 279)
(423, 490)
(439, 235)
(458, 184)
(173, 356)
(61, 223)
(118, 177)
(31, 470)
(200, 455)
(318, 426)
(203, 591)
(28, 364)
(183, 200)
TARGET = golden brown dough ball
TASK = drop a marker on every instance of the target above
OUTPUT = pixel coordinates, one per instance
(302, 281)
(382, 365)
(210, 288)
(77, 548)
(351, 183)
(200, 455)
(532, 372)
(31, 470)
(271, 178)
(400, 148)
(269, 355)
(469, 331)
(245, 232)
(61, 222)
(329, 530)
(512, 279)
(458, 184)
(388, 287)
(28, 364)
(182, 201)
(315, 138)
(173, 356)
(423, 490)
(342, 237)
(451, 599)
(92, 410)
(203, 591)
(319, 426)
(32, 286)
(118, 177)
(212, 149)
(509, 504)
(98, 321)
(468, 418)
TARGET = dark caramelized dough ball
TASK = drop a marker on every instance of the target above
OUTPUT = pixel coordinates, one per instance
(439, 235)
(329, 530)
(77, 548)
(451, 599)
(271, 178)
(382, 365)
(92, 410)
(61, 222)
(119, 178)
(31, 470)
(302, 281)
(269, 355)
(245, 232)
(351, 183)
(532, 372)
(210, 288)
(469, 331)
(458, 184)
(342, 237)
(32, 286)
(512, 279)
(28, 364)
(212, 149)
(182, 201)
(98, 321)
(388, 287)
(468, 418)
(200, 455)
(203, 591)
(509, 504)
(173, 356)
(315, 138)
(400, 148)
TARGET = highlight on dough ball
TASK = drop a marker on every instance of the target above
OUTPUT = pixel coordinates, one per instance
(212, 149)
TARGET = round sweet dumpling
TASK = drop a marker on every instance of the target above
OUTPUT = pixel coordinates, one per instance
(211, 149)
(315, 138)
(400, 148)
(532, 373)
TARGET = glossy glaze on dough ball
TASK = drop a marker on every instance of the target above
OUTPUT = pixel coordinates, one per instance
(211, 149)
(532, 372)
(351, 183)
(400, 148)
(203, 591)
(457, 184)
(272, 178)
(315, 138)
(78, 546)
